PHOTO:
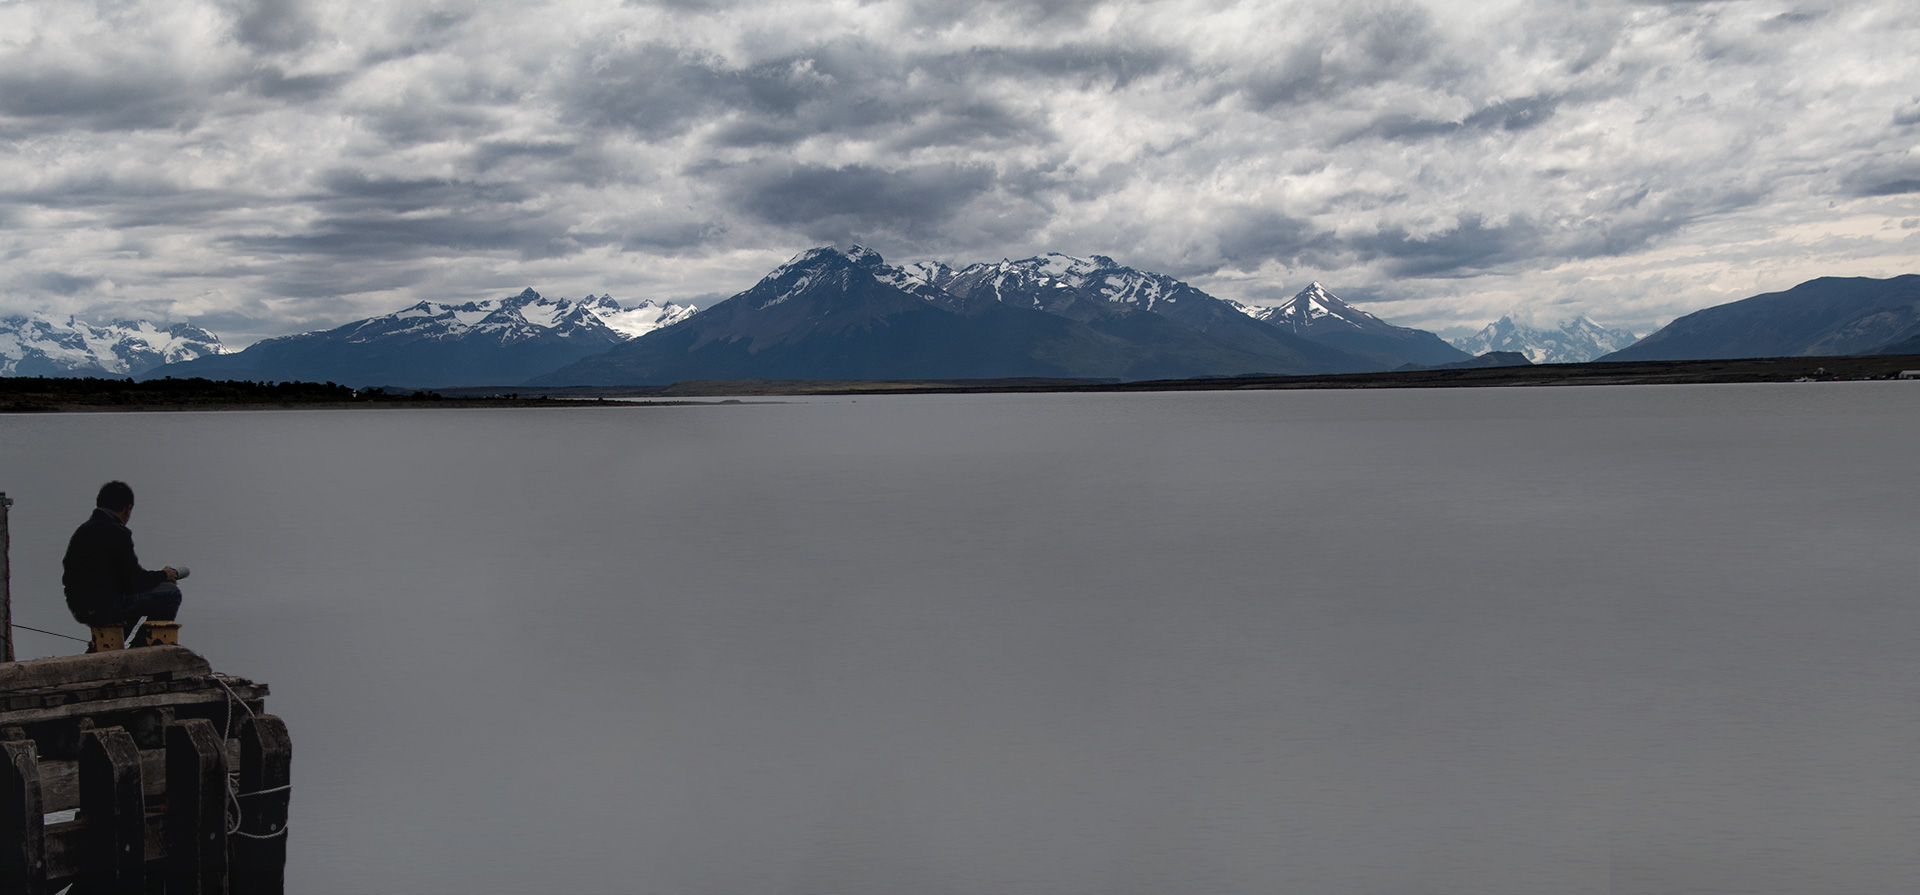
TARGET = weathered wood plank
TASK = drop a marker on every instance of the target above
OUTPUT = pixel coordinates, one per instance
(113, 801)
(23, 855)
(259, 847)
(250, 693)
(60, 780)
(128, 663)
(196, 809)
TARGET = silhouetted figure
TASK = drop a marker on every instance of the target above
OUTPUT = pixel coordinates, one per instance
(104, 580)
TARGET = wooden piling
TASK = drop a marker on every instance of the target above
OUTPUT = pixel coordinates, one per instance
(196, 809)
(6, 581)
(136, 740)
(111, 800)
(259, 846)
(23, 840)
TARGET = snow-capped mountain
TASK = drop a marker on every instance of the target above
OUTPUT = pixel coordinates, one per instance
(1100, 292)
(1573, 341)
(528, 316)
(1315, 310)
(45, 346)
(845, 314)
(491, 342)
(1318, 314)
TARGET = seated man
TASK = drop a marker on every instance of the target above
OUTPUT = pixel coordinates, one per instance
(105, 582)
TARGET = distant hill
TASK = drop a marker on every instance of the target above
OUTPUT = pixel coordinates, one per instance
(1827, 316)
(1575, 341)
(47, 346)
(1490, 359)
(1318, 314)
(493, 342)
(834, 314)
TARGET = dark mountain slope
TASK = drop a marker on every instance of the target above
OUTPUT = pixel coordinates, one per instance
(1827, 316)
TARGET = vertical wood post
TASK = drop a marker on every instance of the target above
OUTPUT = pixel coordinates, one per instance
(259, 847)
(23, 832)
(196, 809)
(115, 811)
(6, 581)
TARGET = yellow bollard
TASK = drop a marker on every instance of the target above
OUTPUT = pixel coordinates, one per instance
(155, 633)
(107, 637)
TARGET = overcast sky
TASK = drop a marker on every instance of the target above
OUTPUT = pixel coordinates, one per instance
(269, 167)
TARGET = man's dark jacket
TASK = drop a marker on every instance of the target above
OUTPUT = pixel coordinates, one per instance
(101, 567)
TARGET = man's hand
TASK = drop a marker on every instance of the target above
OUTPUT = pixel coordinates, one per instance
(172, 573)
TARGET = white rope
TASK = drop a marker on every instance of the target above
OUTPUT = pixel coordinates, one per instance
(238, 815)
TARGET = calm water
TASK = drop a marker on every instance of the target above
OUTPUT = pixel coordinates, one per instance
(1597, 640)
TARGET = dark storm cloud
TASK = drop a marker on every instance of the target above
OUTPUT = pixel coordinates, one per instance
(271, 82)
(847, 88)
(1471, 246)
(63, 283)
(127, 100)
(654, 90)
(357, 189)
(384, 238)
(1084, 64)
(1892, 174)
(1368, 44)
(274, 25)
(938, 13)
(1514, 114)
(1509, 115)
(858, 201)
(1254, 236)
(1892, 187)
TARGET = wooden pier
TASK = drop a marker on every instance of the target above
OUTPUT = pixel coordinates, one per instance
(140, 771)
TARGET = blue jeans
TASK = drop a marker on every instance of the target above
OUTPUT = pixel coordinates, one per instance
(160, 603)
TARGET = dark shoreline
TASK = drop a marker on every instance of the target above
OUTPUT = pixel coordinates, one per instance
(1770, 369)
(43, 395)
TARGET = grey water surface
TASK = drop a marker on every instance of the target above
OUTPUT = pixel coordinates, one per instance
(1490, 641)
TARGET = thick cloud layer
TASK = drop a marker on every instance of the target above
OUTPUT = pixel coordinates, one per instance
(267, 166)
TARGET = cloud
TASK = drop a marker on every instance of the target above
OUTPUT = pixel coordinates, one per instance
(273, 165)
(274, 25)
(857, 202)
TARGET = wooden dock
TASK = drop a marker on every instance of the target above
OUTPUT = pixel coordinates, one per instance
(140, 771)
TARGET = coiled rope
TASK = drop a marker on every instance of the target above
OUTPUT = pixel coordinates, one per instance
(236, 819)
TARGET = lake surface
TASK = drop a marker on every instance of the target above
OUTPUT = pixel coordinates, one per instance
(1489, 641)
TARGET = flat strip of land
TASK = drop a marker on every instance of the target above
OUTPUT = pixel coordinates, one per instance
(1768, 369)
(36, 394)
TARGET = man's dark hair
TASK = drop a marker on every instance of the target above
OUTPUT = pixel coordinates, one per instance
(114, 496)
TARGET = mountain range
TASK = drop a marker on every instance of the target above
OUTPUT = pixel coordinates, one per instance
(831, 313)
(846, 314)
(1823, 317)
(45, 346)
(497, 341)
(1573, 341)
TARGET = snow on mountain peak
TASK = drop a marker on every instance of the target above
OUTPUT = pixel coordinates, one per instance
(41, 345)
(527, 315)
(1569, 342)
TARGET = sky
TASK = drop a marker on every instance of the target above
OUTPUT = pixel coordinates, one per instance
(261, 168)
